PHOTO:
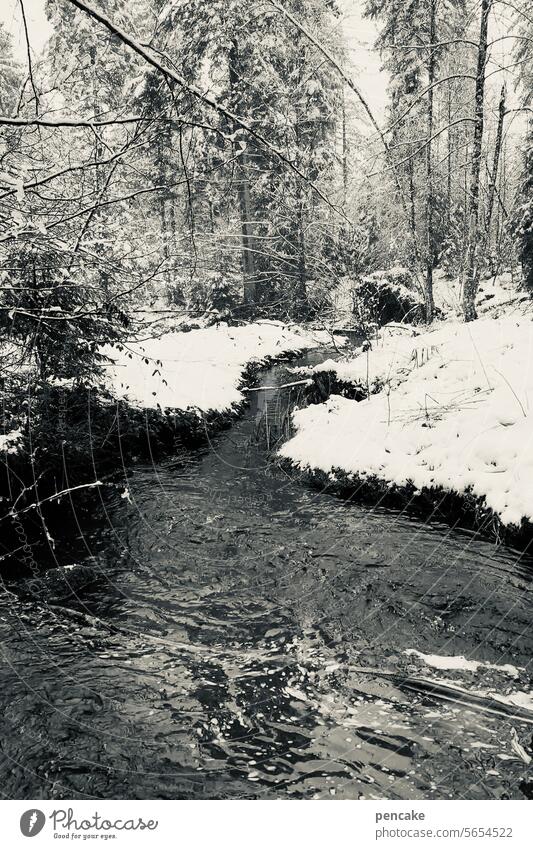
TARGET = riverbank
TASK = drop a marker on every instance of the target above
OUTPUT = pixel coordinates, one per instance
(203, 370)
(230, 614)
(443, 426)
(62, 443)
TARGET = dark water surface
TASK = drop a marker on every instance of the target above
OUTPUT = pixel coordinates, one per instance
(224, 635)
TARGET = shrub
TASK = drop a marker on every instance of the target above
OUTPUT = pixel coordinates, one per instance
(385, 296)
(57, 313)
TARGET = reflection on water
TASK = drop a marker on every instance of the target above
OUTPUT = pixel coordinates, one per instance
(225, 632)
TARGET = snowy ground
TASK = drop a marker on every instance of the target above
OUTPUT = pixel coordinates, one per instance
(201, 369)
(453, 411)
(497, 296)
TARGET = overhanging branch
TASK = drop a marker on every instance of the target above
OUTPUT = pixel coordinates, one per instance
(67, 122)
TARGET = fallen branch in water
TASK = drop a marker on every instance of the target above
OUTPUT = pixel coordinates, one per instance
(56, 495)
(436, 689)
(308, 381)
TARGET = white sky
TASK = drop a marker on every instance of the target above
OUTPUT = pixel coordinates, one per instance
(359, 36)
(38, 27)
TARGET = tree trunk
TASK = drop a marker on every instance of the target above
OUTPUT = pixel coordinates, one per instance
(495, 163)
(412, 195)
(500, 221)
(430, 203)
(301, 288)
(243, 193)
(473, 257)
(449, 168)
(163, 211)
(96, 109)
(465, 209)
(247, 233)
(344, 147)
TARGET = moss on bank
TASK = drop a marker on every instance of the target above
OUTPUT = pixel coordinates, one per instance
(463, 511)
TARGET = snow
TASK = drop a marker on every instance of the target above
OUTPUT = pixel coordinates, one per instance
(200, 369)
(9, 442)
(390, 358)
(454, 413)
(459, 662)
(497, 295)
(521, 699)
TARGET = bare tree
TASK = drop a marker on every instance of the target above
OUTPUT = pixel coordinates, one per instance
(495, 163)
(430, 202)
(474, 246)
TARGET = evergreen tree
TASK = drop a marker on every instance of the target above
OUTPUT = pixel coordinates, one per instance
(522, 219)
(10, 75)
(265, 72)
(410, 42)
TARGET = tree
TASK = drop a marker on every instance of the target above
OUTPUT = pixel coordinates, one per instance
(521, 222)
(10, 75)
(413, 39)
(475, 236)
(522, 219)
(56, 320)
(268, 75)
(495, 164)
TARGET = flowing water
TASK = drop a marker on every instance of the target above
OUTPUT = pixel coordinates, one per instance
(227, 631)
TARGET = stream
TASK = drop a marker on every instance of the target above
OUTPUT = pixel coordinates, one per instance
(226, 631)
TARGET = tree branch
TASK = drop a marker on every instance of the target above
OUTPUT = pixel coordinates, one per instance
(67, 122)
(426, 143)
(423, 94)
(71, 168)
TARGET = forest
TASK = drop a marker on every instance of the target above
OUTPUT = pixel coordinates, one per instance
(220, 161)
(223, 159)
(244, 288)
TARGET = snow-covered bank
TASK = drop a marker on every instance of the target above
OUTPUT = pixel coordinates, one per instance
(453, 415)
(201, 369)
(386, 361)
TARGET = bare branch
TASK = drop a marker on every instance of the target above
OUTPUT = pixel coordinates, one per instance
(28, 52)
(426, 143)
(423, 93)
(432, 46)
(67, 122)
(516, 9)
(100, 202)
(71, 168)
